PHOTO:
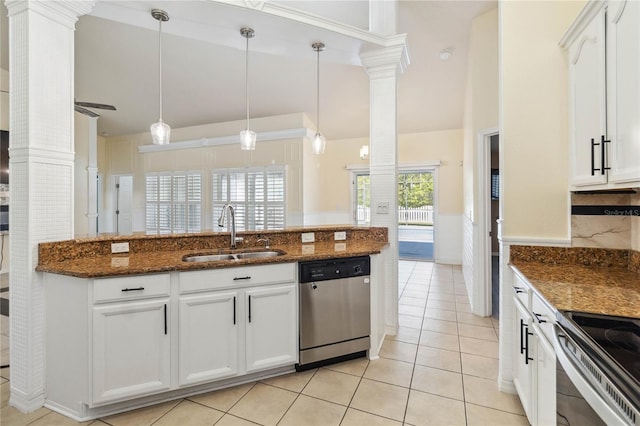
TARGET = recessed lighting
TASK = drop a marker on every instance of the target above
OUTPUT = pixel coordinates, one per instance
(445, 54)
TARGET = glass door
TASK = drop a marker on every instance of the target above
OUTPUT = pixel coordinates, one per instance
(416, 215)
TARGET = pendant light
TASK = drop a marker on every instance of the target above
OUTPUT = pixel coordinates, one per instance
(160, 131)
(319, 142)
(247, 136)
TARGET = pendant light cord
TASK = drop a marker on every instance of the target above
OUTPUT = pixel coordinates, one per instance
(160, 64)
(246, 78)
(318, 91)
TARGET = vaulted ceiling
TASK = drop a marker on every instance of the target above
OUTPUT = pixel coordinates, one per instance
(203, 64)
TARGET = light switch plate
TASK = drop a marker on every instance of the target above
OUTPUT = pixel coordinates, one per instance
(382, 208)
(340, 235)
(308, 237)
(120, 247)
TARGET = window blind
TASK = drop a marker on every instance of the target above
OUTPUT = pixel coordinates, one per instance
(257, 195)
(173, 202)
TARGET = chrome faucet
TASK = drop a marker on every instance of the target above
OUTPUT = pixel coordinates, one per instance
(231, 223)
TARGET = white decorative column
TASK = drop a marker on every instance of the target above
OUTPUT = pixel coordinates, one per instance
(41, 72)
(383, 67)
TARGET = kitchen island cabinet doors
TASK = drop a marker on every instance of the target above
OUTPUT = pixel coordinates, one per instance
(209, 337)
(131, 350)
(271, 327)
(604, 95)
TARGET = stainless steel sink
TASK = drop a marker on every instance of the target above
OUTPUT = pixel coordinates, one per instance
(232, 256)
(208, 258)
(258, 254)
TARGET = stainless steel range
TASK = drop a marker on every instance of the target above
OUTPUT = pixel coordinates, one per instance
(599, 357)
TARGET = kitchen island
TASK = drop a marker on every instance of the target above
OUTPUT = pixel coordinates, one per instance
(126, 330)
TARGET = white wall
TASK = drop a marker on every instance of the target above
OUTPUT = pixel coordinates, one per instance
(4, 125)
(534, 129)
(480, 114)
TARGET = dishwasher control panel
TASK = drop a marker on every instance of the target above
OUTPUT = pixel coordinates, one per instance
(334, 269)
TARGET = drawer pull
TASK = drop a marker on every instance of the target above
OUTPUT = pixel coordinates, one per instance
(133, 289)
(540, 320)
(165, 319)
(241, 278)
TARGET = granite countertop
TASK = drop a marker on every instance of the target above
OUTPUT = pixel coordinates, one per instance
(171, 260)
(572, 287)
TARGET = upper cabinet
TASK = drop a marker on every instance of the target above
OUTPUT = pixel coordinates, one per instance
(604, 95)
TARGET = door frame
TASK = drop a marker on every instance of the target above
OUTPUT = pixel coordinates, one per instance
(427, 166)
(482, 283)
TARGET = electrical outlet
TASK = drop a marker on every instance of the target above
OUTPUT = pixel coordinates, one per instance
(120, 247)
(308, 237)
(340, 236)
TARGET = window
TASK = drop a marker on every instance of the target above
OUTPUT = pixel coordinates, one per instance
(257, 195)
(173, 202)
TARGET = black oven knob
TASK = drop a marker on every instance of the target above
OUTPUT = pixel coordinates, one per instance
(357, 269)
(337, 271)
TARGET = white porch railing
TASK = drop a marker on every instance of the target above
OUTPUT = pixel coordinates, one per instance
(409, 215)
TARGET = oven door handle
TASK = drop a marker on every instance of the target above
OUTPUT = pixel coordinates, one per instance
(589, 392)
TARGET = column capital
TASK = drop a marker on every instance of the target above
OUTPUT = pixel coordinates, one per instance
(387, 61)
(64, 12)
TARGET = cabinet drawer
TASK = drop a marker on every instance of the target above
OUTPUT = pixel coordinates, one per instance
(543, 316)
(214, 279)
(522, 290)
(135, 287)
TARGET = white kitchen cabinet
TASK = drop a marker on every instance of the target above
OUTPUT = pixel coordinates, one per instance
(534, 360)
(604, 96)
(131, 350)
(271, 327)
(235, 321)
(623, 90)
(545, 376)
(523, 355)
(209, 337)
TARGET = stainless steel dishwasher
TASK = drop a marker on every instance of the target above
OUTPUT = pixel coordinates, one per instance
(334, 310)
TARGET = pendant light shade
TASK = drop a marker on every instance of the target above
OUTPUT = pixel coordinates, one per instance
(160, 131)
(319, 142)
(247, 136)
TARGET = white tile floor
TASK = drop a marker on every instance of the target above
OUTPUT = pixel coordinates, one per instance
(440, 369)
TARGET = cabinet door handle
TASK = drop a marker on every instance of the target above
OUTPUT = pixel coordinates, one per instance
(603, 155)
(234, 310)
(133, 289)
(593, 155)
(521, 336)
(249, 308)
(518, 290)
(538, 317)
(526, 347)
(165, 318)
(241, 278)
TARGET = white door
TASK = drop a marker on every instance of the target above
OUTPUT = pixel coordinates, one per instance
(209, 332)
(124, 201)
(587, 104)
(623, 90)
(131, 350)
(271, 327)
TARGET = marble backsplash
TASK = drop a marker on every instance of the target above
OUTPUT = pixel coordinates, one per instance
(605, 231)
